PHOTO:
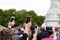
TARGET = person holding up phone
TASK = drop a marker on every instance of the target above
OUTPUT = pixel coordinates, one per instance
(12, 22)
(46, 35)
(24, 35)
(26, 30)
(55, 36)
(35, 34)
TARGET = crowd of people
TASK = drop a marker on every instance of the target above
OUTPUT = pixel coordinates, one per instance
(29, 32)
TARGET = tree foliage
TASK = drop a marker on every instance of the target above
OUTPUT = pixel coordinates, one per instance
(20, 16)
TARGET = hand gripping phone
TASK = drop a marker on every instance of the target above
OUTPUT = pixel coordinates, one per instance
(28, 19)
(12, 19)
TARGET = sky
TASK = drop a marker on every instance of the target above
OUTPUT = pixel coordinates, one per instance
(41, 7)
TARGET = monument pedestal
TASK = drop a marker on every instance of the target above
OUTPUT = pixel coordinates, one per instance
(53, 16)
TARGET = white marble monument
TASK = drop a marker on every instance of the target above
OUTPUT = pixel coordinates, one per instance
(53, 16)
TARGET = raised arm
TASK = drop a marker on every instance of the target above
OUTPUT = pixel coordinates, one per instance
(54, 33)
(11, 24)
(35, 34)
(27, 28)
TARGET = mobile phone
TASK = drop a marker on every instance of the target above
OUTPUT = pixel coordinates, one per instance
(27, 20)
(48, 28)
(12, 19)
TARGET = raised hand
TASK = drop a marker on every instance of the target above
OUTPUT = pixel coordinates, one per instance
(10, 24)
(27, 28)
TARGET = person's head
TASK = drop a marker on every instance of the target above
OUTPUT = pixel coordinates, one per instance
(45, 34)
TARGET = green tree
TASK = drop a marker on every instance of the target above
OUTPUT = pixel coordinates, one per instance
(20, 16)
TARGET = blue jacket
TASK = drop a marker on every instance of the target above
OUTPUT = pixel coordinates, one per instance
(58, 38)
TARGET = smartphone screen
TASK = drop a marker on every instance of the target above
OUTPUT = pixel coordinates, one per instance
(12, 19)
(48, 28)
(27, 19)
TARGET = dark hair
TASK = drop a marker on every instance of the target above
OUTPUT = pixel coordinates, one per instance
(44, 34)
(49, 32)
